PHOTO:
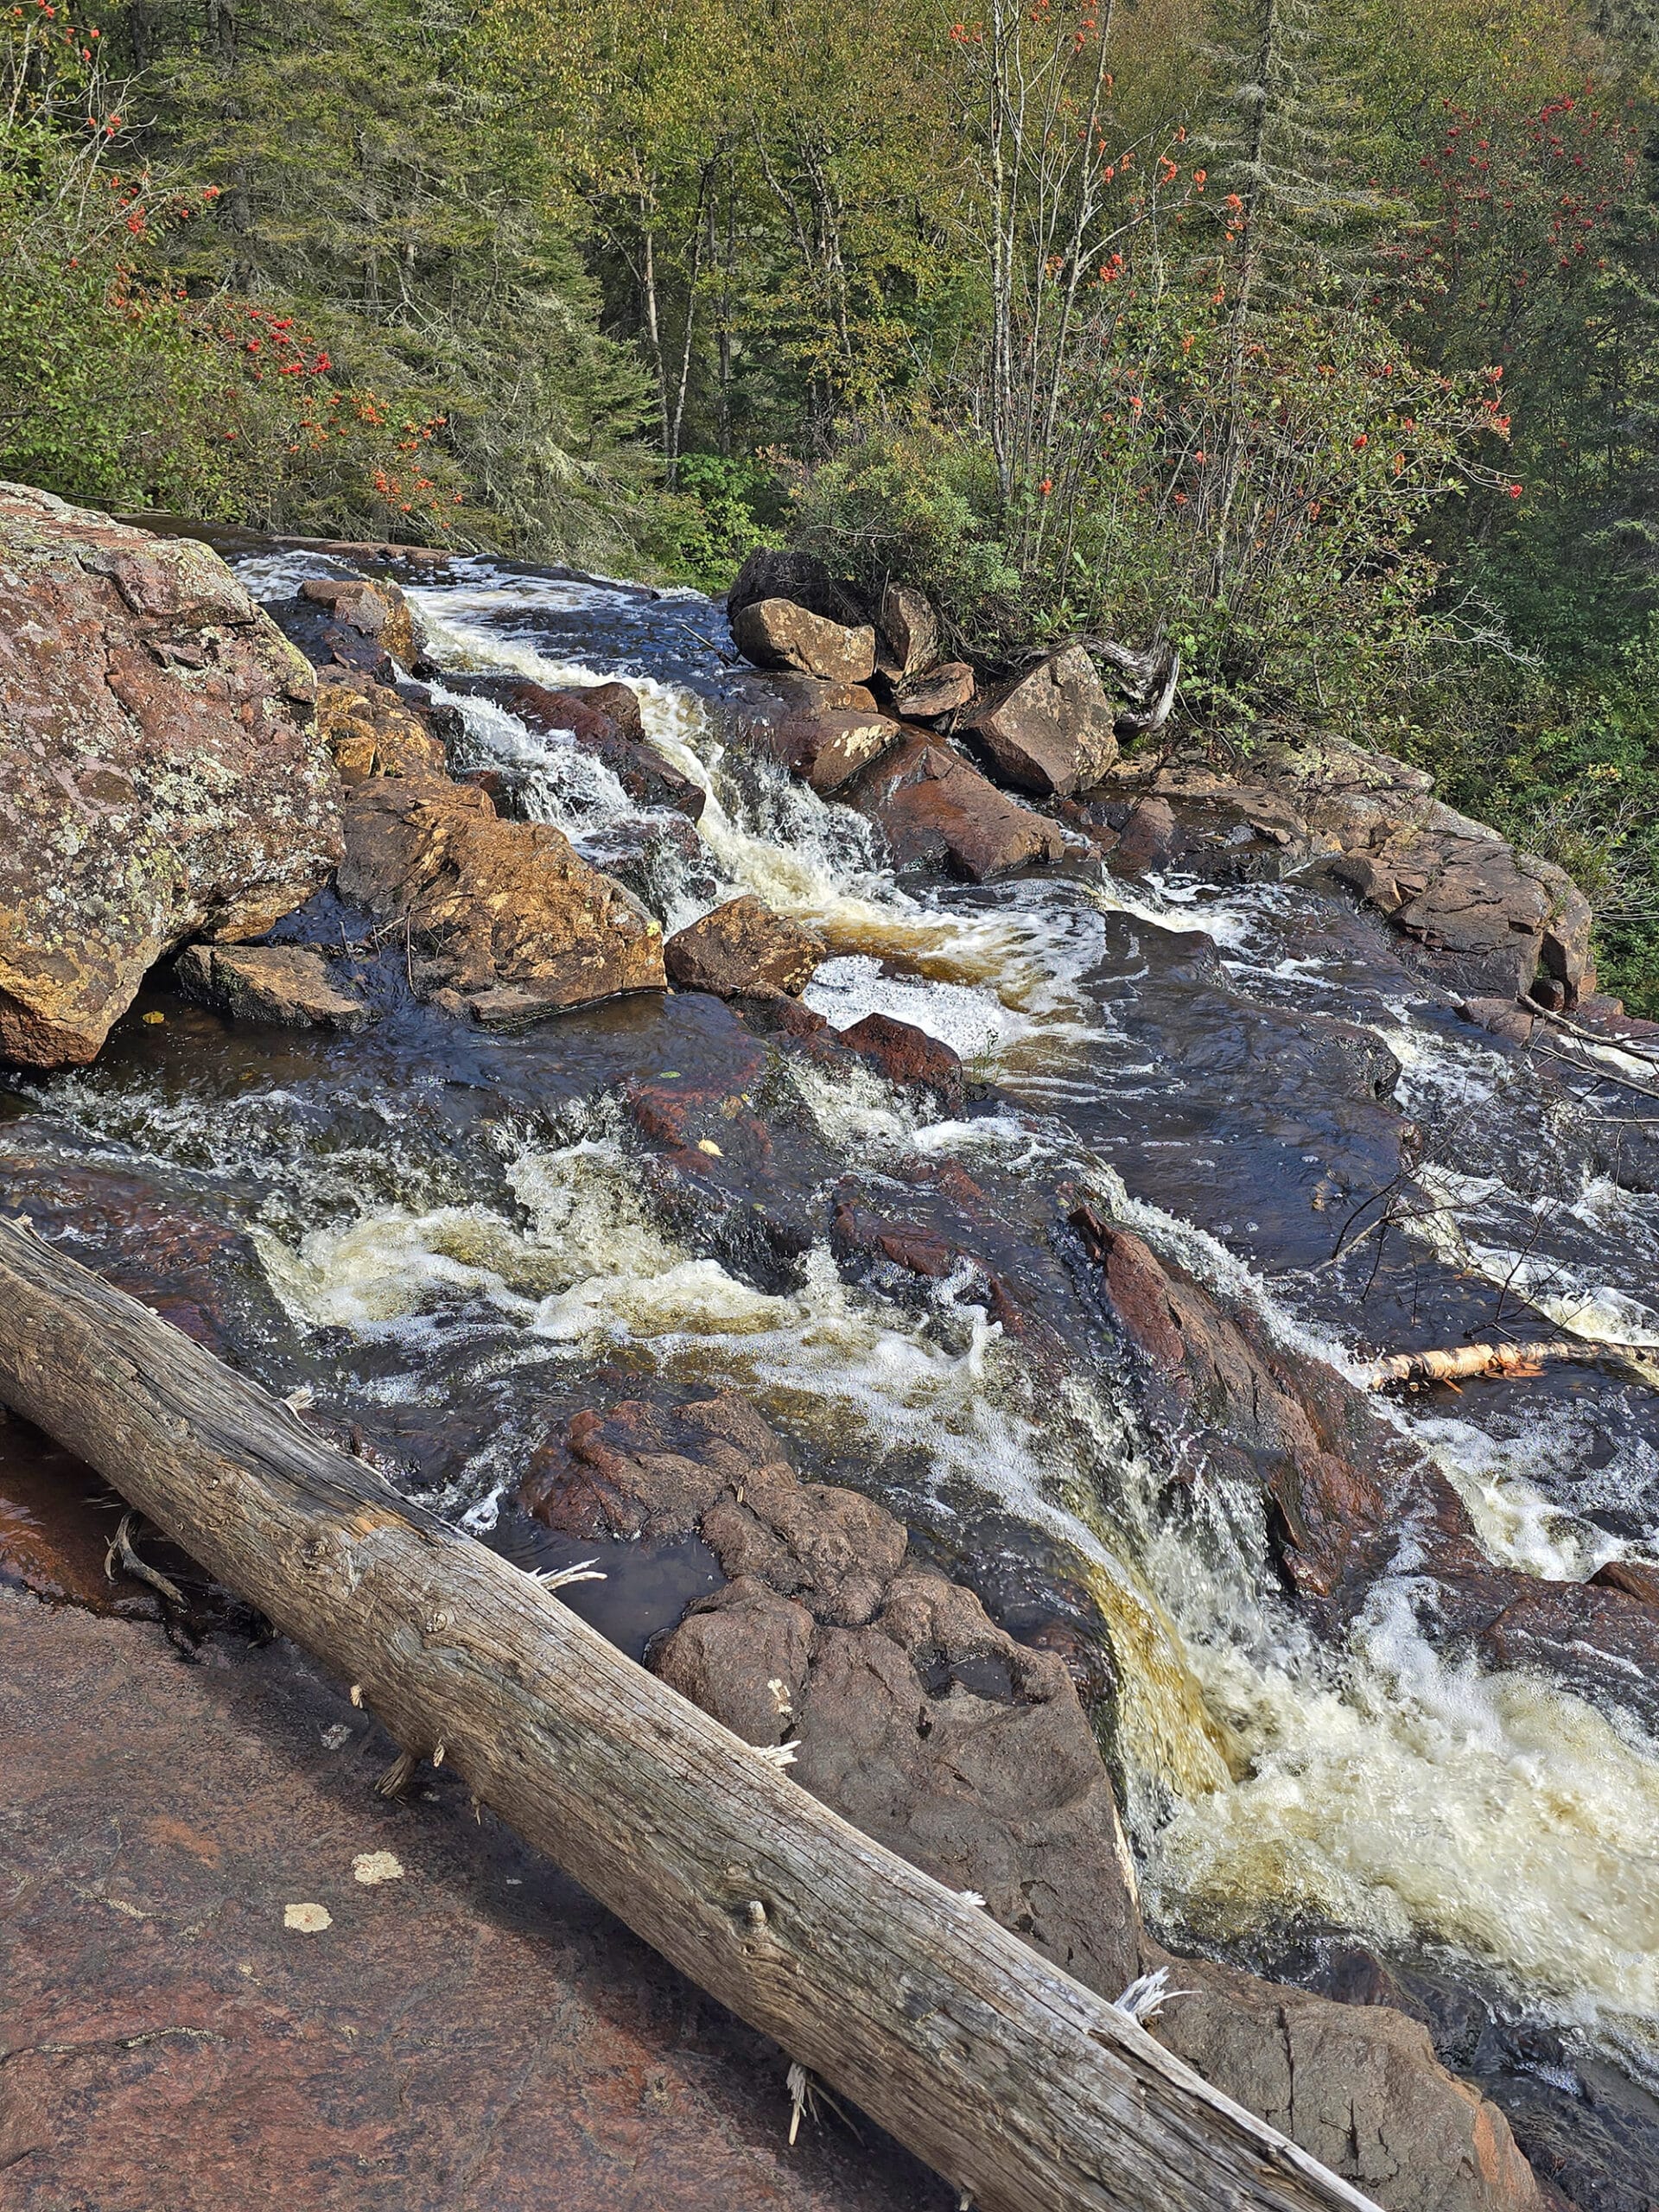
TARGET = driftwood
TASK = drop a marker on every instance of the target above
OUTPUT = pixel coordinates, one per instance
(1028, 2092)
(1494, 1360)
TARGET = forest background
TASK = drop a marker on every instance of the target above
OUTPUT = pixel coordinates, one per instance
(1319, 335)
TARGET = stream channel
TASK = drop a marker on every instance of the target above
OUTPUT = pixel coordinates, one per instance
(455, 1240)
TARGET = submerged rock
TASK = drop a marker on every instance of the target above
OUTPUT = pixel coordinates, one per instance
(505, 913)
(281, 983)
(936, 811)
(777, 633)
(659, 857)
(1052, 731)
(742, 950)
(162, 775)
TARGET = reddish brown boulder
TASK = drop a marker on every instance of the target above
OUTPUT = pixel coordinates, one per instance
(1050, 731)
(1502, 1018)
(1146, 839)
(280, 983)
(823, 733)
(937, 811)
(1493, 922)
(1340, 1481)
(161, 776)
(777, 633)
(920, 1250)
(504, 913)
(906, 1055)
(940, 691)
(1637, 1578)
(743, 949)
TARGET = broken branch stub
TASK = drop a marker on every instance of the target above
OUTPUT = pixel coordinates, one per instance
(1010, 2079)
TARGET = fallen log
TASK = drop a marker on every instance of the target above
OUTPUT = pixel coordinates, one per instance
(1026, 2091)
(1463, 1360)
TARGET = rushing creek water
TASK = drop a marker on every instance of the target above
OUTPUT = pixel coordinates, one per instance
(455, 1239)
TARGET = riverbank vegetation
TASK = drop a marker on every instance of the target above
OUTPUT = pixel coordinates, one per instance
(1325, 340)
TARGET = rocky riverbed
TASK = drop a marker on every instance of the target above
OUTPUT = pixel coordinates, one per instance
(909, 1183)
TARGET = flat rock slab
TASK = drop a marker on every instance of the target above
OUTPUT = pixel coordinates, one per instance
(472, 2035)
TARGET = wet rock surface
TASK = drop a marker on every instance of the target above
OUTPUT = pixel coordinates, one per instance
(906, 1056)
(915, 1716)
(602, 721)
(353, 625)
(161, 772)
(969, 1753)
(505, 913)
(1490, 920)
(472, 2033)
(821, 731)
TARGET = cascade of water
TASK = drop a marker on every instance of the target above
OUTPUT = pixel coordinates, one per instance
(1380, 1785)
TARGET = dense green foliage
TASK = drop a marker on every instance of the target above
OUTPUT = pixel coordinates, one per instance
(1324, 339)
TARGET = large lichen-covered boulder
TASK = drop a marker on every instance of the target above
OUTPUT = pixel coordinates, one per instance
(162, 775)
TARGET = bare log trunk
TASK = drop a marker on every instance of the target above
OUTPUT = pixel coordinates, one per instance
(1494, 1360)
(1012, 2079)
